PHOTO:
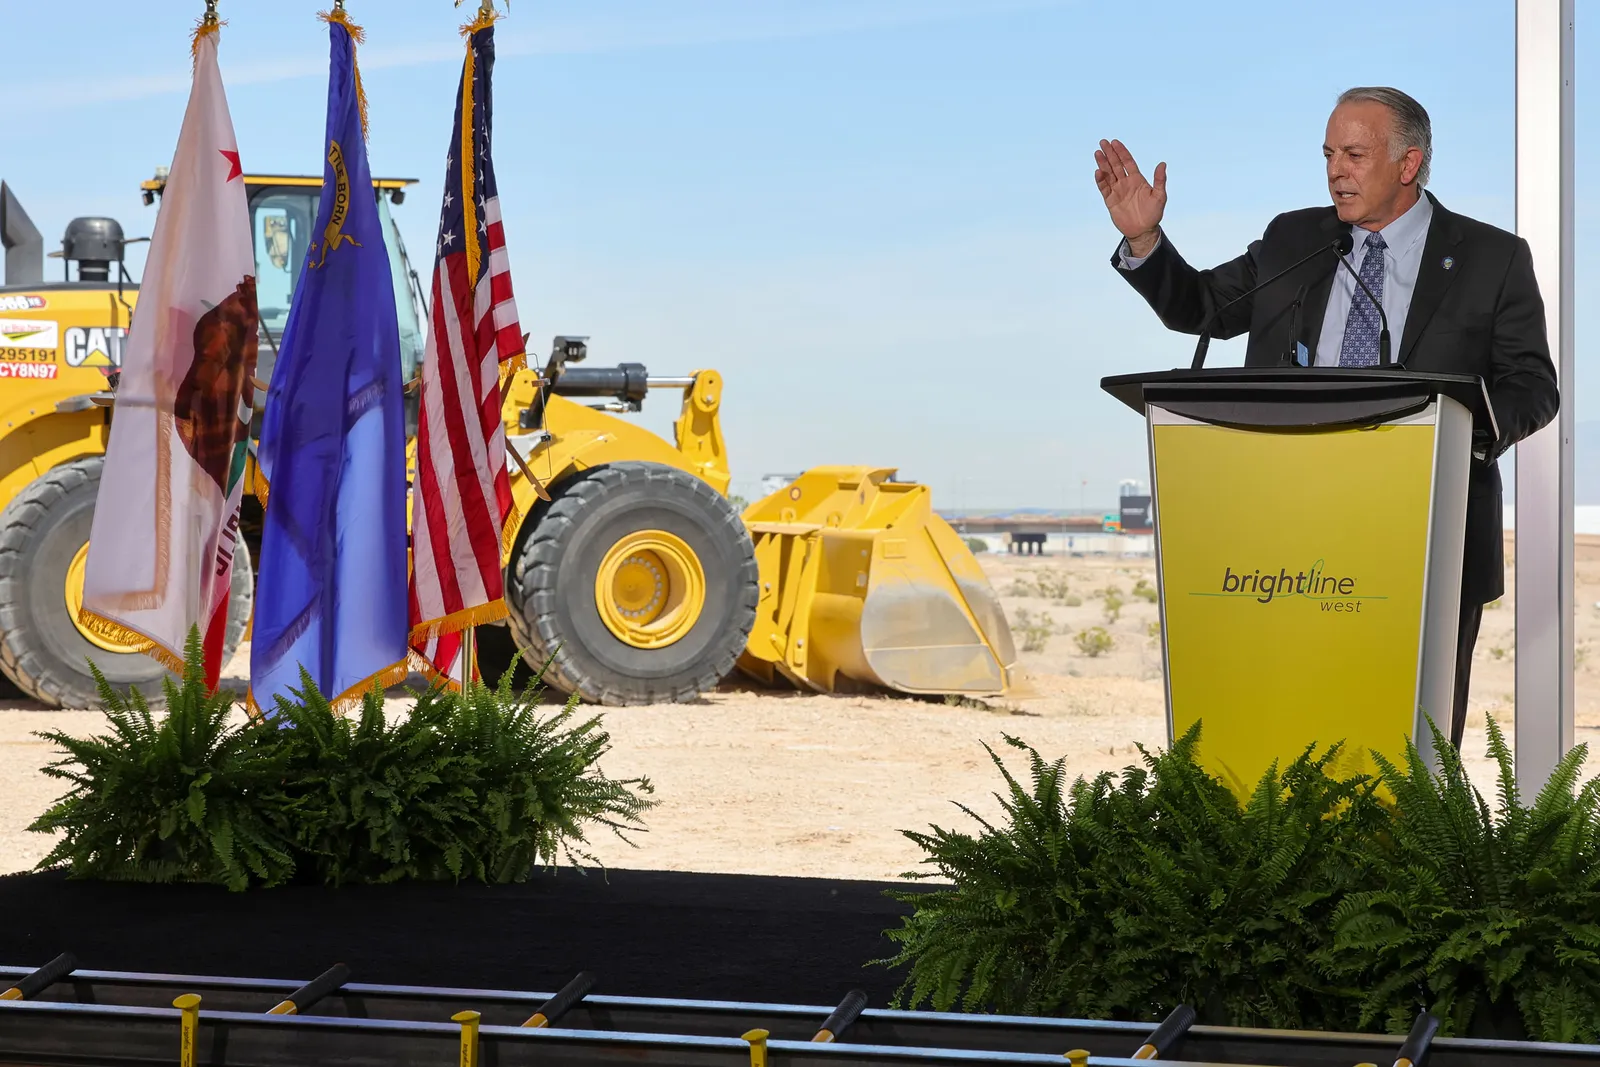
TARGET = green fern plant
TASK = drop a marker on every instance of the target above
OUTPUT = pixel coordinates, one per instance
(1490, 918)
(183, 797)
(535, 777)
(361, 791)
(1111, 898)
(1231, 900)
(1320, 902)
(1017, 911)
(479, 785)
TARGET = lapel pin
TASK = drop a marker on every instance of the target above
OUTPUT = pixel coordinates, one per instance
(1449, 261)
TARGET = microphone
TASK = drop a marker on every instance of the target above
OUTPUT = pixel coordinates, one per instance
(1290, 358)
(1383, 316)
(1340, 245)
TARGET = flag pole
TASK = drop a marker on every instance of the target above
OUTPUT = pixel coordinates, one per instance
(469, 636)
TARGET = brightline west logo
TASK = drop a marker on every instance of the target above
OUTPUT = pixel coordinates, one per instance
(1331, 592)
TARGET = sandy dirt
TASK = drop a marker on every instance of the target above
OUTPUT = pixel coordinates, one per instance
(785, 783)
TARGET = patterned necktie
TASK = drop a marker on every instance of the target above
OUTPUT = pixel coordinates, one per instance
(1360, 348)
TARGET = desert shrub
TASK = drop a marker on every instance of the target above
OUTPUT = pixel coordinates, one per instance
(1095, 641)
(479, 785)
(1023, 585)
(1054, 585)
(1050, 585)
(1113, 606)
(1072, 600)
(976, 545)
(1144, 590)
(1313, 903)
(1035, 630)
(179, 798)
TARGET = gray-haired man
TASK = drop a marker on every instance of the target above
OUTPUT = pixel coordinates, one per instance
(1460, 296)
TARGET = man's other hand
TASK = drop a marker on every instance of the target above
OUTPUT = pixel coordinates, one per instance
(1135, 205)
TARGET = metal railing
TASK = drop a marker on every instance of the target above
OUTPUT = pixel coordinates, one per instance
(110, 1019)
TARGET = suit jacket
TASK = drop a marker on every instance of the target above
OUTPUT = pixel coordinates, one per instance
(1482, 315)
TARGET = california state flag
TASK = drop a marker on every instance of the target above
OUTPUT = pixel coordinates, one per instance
(162, 541)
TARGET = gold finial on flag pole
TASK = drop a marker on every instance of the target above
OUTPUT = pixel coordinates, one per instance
(207, 26)
(485, 17)
(486, 8)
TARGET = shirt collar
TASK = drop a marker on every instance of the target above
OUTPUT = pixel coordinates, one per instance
(1405, 231)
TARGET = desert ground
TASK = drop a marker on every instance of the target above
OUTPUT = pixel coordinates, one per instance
(764, 782)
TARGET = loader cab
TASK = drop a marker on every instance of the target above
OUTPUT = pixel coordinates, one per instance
(283, 214)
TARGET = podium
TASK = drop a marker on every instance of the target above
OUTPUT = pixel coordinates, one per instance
(1309, 528)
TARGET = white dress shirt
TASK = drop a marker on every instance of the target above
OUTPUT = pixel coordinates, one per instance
(1402, 259)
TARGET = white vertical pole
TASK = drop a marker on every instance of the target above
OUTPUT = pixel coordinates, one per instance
(1544, 567)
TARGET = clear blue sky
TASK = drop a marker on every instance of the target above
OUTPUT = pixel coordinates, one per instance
(876, 217)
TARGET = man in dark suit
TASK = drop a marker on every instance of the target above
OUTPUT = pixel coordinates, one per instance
(1460, 296)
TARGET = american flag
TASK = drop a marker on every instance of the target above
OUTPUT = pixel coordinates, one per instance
(461, 498)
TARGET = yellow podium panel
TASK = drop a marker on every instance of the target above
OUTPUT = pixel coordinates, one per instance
(1294, 579)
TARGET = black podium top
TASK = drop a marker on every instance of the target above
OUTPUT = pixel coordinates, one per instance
(1299, 396)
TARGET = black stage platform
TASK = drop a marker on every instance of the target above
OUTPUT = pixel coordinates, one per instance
(643, 933)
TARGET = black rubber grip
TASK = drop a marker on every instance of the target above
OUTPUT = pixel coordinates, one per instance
(847, 1012)
(319, 987)
(1419, 1040)
(567, 999)
(46, 976)
(1171, 1031)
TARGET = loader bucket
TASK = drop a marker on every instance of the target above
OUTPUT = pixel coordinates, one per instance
(862, 583)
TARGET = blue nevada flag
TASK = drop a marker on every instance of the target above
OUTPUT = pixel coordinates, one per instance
(332, 580)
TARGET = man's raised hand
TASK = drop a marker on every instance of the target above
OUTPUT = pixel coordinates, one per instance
(1135, 205)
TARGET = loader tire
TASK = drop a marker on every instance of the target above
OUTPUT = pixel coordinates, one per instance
(42, 649)
(496, 649)
(556, 603)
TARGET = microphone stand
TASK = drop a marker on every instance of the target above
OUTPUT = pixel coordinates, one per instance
(1340, 246)
(1290, 357)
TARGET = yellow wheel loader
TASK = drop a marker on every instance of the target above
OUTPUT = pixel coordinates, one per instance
(641, 583)
(632, 573)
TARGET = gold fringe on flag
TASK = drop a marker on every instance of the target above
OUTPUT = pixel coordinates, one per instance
(258, 481)
(508, 534)
(469, 170)
(115, 631)
(105, 628)
(457, 621)
(357, 36)
(351, 698)
(510, 367)
(207, 25)
(420, 665)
